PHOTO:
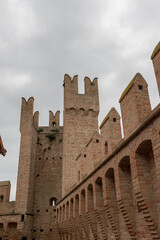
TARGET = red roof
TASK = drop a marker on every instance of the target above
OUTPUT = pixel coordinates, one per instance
(2, 149)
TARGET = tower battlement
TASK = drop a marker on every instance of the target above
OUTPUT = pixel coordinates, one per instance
(75, 181)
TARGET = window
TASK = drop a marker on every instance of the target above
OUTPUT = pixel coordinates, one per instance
(114, 119)
(22, 218)
(52, 201)
(1, 198)
(140, 87)
(78, 175)
(106, 147)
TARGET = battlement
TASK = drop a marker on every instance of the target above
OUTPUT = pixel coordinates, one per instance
(156, 64)
(73, 100)
(54, 120)
(135, 104)
(26, 113)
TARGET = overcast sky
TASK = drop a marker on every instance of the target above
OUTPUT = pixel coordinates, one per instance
(41, 40)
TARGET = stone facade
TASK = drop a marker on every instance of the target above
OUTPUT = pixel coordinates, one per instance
(76, 182)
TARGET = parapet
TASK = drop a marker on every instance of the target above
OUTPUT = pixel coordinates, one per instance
(74, 100)
(135, 104)
(54, 119)
(26, 113)
(156, 64)
(111, 130)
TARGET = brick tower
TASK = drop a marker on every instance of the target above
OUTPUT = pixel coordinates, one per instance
(80, 121)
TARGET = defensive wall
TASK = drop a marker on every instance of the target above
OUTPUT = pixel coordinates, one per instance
(78, 182)
(116, 194)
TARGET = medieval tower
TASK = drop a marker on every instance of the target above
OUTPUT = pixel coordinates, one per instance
(81, 181)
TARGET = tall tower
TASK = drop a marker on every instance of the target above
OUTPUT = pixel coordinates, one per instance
(80, 121)
(27, 161)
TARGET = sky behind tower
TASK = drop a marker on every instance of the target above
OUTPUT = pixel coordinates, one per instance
(41, 40)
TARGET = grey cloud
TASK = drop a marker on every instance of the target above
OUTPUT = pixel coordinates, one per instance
(40, 41)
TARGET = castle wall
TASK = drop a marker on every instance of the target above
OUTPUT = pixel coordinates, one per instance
(121, 192)
(74, 183)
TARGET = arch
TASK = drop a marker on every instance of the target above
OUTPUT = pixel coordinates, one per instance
(126, 190)
(60, 214)
(147, 177)
(110, 187)
(52, 201)
(77, 205)
(99, 193)
(83, 202)
(111, 199)
(63, 219)
(67, 210)
(90, 200)
(71, 208)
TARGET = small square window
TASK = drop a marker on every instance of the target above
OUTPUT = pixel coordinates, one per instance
(85, 155)
(140, 87)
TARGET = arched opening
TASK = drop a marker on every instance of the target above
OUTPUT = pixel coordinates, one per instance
(63, 212)
(67, 210)
(52, 201)
(12, 227)
(60, 215)
(91, 212)
(111, 199)
(147, 177)
(99, 193)
(100, 211)
(83, 202)
(90, 200)
(77, 205)
(126, 192)
(71, 208)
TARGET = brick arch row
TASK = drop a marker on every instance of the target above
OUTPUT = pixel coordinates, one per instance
(118, 202)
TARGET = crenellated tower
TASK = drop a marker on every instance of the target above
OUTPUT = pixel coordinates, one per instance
(27, 161)
(80, 121)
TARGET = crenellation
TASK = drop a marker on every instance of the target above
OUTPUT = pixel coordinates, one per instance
(156, 64)
(91, 87)
(135, 104)
(76, 183)
(36, 119)
(54, 119)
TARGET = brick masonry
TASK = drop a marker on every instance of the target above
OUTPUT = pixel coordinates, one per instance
(76, 182)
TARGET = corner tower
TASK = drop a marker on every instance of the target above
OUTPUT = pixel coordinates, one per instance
(80, 120)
